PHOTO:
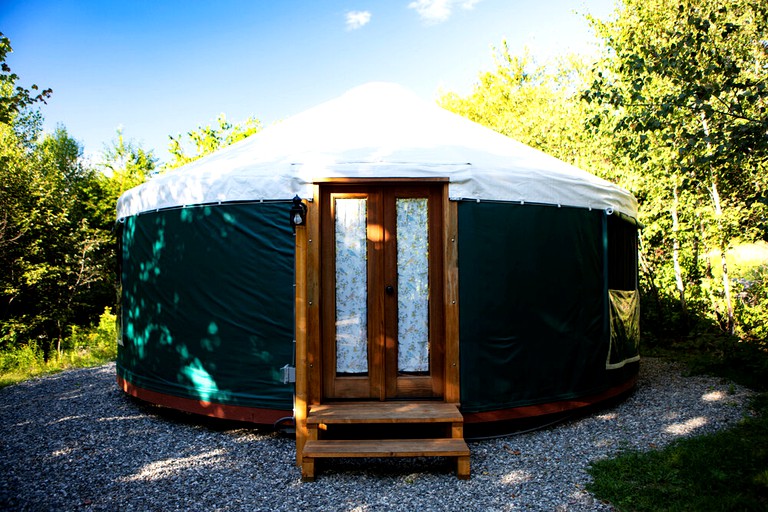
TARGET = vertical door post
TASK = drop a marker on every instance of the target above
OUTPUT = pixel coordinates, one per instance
(300, 321)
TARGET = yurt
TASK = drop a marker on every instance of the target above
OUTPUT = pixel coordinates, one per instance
(379, 249)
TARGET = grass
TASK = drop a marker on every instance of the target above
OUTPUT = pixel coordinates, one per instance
(89, 347)
(742, 256)
(724, 471)
(34, 366)
(745, 363)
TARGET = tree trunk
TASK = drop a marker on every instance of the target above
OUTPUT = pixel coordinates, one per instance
(676, 255)
(708, 273)
(58, 340)
(730, 324)
(721, 243)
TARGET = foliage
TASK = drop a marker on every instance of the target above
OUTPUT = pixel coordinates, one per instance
(538, 105)
(675, 111)
(58, 243)
(722, 471)
(683, 89)
(14, 98)
(91, 346)
(50, 247)
(57, 247)
(125, 164)
(207, 139)
(752, 292)
(99, 340)
(750, 269)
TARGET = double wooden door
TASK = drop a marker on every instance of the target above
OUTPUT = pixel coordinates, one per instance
(382, 297)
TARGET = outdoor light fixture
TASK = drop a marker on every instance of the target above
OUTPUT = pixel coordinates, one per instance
(298, 212)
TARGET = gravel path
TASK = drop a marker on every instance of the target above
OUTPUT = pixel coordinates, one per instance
(72, 441)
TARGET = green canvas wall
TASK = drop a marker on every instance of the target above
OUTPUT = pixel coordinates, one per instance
(533, 324)
(207, 303)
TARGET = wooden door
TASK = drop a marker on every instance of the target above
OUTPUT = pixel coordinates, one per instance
(382, 317)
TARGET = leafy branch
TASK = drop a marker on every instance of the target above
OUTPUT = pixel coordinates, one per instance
(15, 98)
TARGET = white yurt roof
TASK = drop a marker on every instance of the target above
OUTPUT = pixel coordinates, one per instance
(377, 130)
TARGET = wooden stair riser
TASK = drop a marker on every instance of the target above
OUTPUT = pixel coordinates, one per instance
(383, 448)
(386, 448)
(388, 431)
(366, 429)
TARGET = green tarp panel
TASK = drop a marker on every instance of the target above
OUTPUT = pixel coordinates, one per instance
(533, 325)
(207, 303)
(625, 328)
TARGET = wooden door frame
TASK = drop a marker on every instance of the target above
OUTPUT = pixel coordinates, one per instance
(419, 386)
(308, 296)
(368, 386)
(382, 381)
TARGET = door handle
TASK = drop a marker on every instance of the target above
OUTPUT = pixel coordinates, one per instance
(389, 289)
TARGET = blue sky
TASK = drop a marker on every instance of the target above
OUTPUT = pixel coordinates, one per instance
(158, 68)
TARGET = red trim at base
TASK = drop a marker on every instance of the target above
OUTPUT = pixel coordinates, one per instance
(531, 411)
(228, 412)
(270, 416)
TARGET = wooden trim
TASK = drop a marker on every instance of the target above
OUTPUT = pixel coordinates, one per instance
(377, 321)
(437, 282)
(327, 292)
(348, 386)
(395, 411)
(381, 219)
(389, 303)
(211, 409)
(314, 322)
(378, 181)
(417, 386)
(300, 320)
(451, 293)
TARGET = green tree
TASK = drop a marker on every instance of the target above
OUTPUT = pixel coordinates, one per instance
(57, 216)
(15, 98)
(207, 139)
(683, 88)
(538, 105)
(54, 276)
(124, 165)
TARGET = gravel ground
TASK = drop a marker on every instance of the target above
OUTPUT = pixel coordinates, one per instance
(73, 441)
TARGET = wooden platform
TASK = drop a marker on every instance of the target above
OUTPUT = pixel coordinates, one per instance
(445, 418)
(384, 412)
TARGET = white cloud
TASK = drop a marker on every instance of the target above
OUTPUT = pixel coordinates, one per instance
(438, 11)
(357, 19)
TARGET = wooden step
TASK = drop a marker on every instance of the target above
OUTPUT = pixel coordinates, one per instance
(449, 447)
(386, 448)
(383, 412)
(352, 420)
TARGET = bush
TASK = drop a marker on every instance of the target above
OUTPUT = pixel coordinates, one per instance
(751, 306)
(84, 347)
(102, 337)
(27, 356)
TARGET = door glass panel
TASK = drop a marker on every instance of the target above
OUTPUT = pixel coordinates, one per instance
(351, 286)
(412, 285)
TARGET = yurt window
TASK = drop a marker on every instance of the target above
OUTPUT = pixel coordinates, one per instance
(351, 286)
(622, 254)
(624, 299)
